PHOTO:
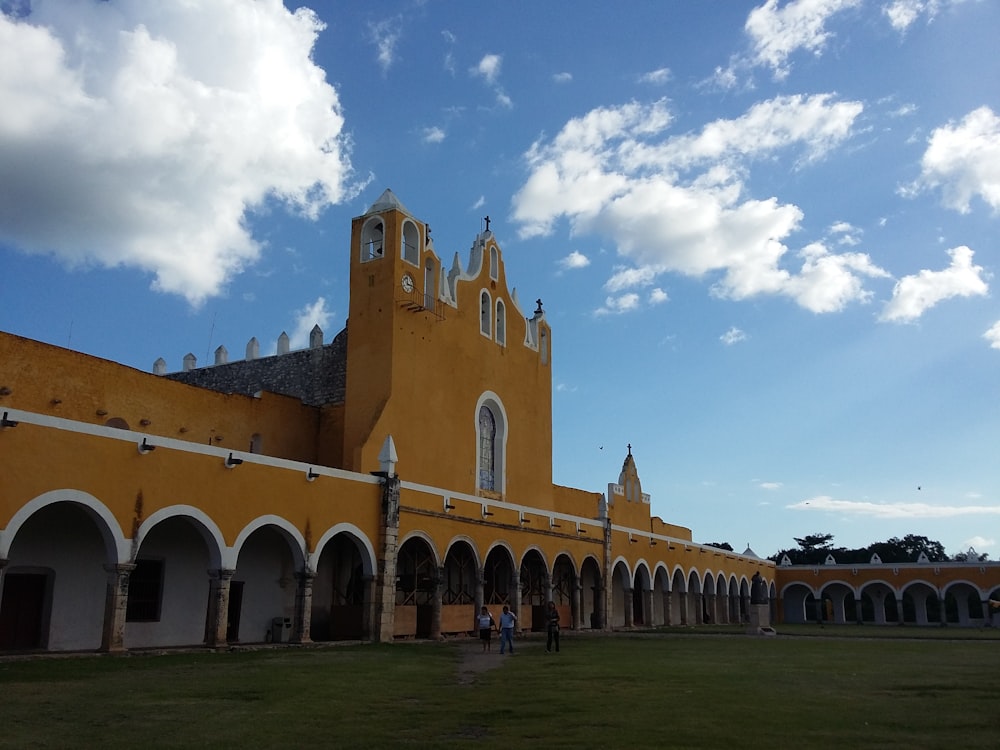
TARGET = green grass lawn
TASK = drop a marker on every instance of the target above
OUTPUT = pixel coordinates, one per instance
(642, 690)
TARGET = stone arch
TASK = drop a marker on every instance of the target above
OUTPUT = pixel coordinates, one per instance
(678, 597)
(794, 597)
(838, 599)
(270, 559)
(565, 589)
(642, 590)
(58, 550)
(417, 577)
(116, 545)
(459, 585)
(695, 599)
(661, 611)
(219, 555)
(591, 593)
(178, 549)
(963, 603)
(621, 594)
(344, 564)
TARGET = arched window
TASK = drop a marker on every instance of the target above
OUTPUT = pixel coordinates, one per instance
(491, 444)
(494, 263)
(487, 449)
(484, 314)
(543, 346)
(372, 237)
(501, 325)
(410, 248)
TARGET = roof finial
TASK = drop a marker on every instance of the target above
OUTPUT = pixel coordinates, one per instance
(630, 449)
(487, 220)
(539, 310)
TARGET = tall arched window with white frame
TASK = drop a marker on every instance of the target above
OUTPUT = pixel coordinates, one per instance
(501, 323)
(491, 444)
(487, 449)
(372, 237)
(485, 310)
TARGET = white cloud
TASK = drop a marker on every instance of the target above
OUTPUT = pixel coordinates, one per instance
(903, 13)
(677, 204)
(385, 35)
(618, 305)
(480, 202)
(314, 314)
(129, 137)
(656, 77)
(658, 296)
(770, 485)
(575, 259)
(893, 510)
(433, 135)
(563, 77)
(964, 161)
(915, 294)
(733, 336)
(776, 33)
(489, 68)
(978, 543)
(993, 335)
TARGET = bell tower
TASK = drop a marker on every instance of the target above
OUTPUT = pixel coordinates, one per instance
(387, 278)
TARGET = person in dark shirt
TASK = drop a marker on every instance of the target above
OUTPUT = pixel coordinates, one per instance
(552, 621)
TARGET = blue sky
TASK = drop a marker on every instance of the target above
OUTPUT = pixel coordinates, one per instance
(765, 234)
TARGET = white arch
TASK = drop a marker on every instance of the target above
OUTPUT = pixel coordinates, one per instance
(541, 553)
(117, 547)
(428, 540)
(368, 561)
(219, 555)
(458, 539)
(297, 542)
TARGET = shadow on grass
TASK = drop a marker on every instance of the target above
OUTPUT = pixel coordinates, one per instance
(623, 690)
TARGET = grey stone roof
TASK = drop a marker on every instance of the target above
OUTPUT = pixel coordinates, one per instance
(317, 376)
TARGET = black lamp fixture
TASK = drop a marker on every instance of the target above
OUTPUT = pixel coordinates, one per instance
(311, 475)
(4, 422)
(231, 461)
(145, 447)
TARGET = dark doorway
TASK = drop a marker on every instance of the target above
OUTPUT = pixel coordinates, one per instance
(21, 611)
(235, 607)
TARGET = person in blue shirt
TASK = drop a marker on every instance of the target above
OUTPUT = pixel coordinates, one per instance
(507, 621)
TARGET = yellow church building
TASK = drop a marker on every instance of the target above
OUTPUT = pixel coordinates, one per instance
(381, 485)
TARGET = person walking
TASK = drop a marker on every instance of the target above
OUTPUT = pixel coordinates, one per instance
(507, 621)
(552, 621)
(485, 623)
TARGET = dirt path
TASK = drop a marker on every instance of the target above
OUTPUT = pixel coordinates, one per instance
(475, 662)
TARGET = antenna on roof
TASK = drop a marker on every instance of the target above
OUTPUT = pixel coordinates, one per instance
(211, 333)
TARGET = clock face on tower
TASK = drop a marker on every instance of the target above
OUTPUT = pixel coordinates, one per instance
(407, 282)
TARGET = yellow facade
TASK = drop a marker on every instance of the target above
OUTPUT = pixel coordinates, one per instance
(137, 507)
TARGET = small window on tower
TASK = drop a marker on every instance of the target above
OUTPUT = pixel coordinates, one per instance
(485, 309)
(372, 239)
(501, 326)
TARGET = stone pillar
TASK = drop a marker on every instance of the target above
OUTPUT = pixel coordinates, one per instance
(577, 605)
(515, 598)
(682, 606)
(858, 613)
(713, 614)
(383, 599)
(547, 587)
(302, 621)
(372, 617)
(900, 619)
(218, 606)
(629, 606)
(648, 614)
(698, 602)
(115, 606)
(987, 615)
(480, 591)
(3, 566)
(436, 602)
(668, 614)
